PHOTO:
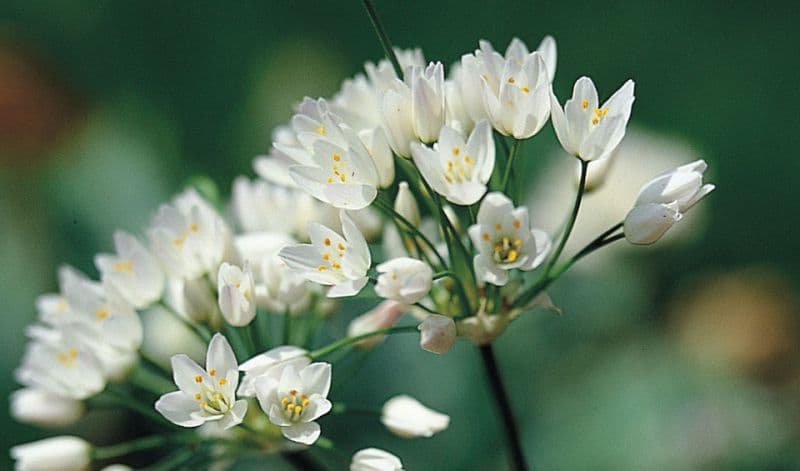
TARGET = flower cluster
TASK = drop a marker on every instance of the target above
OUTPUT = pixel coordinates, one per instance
(417, 163)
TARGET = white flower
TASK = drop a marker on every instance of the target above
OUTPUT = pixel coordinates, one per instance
(505, 240)
(133, 272)
(427, 101)
(374, 459)
(404, 279)
(331, 259)
(437, 334)
(382, 316)
(39, 407)
(406, 205)
(408, 418)
(265, 206)
(663, 201)
(397, 119)
(586, 130)
(268, 361)
(236, 293)
(193, 299)
(646, 223)
(188, 236)
(683, 185)
(63, 453)
(56, 362)
(205, 395)
(455, 169)
(294, 398)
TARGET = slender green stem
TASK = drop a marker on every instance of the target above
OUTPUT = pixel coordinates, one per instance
(302, 461)
(173, 461)
(342, 408)
(571, 221)
(202, 333)
(249, 338)
(330, 348)
(119, 397)
(287, 327)
(411, 228)
(145, 443)
(503, 403)
(426, 308)
(388, 50)
(584, 252)
(509, 164)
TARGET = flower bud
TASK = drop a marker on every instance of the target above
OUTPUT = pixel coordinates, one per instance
(646, 224)
(377, 146)
(235, 287)
(408, 418)
(65, 453)
(374, 459)
(34, 406)
(406, 205)
(683, 185)
(383, 316)
(427, 104)
(117, 467)
(437, 334)
(404, 279)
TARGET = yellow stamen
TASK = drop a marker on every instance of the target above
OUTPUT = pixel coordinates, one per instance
(212, 371)
(223, 381)
(327, 241)
(584, 103)
(456, 150)
(124, 266)
(102, 313)
(198, 379)
(336, 157)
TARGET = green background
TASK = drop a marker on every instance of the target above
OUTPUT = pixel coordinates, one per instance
(157, 93)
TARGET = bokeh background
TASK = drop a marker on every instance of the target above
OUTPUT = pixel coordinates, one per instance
(679, 356)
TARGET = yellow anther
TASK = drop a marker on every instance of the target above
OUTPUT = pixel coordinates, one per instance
(212, 371)
(123, 266)
(456, 150)
(322, 268)
(198, 379)
(193, 227)
(511, 80)
(336, 157)
(179, 241)
(468, 160)
(198, 396)
(223, 381)
(498, 226)
(336, 265)
(525, 89)
(517, 243)
(203, 404)
(298, 409)
(340, 246)
(102, 313)
(512, 255)
(321, 130)
(517, 224)
(342, 178)
(584, 103)
(217, 396)
(330, 179)
(284, 400)
(449, 165)
(326, 256)
(327, 241)
(293, 392)
(486, 236)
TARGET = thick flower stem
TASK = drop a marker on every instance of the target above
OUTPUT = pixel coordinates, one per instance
(517, 458)
(321, 352)
(383, 37)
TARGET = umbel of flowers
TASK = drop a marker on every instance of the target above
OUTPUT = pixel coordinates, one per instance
(414, 158)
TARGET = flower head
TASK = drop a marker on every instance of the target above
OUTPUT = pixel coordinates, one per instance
(585, 129)
(456, 169)
(408, 418)
(331, 259)
(505, 240)
(294, 398)
(205, 394)
(404, 279)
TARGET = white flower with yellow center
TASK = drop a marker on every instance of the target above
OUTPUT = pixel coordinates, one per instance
(189, 237)
(586, 129)
(331, 259)
(455, 169)
(133, 271)
(505, 240)
(273, 360)
(294, 398)
(205, 395)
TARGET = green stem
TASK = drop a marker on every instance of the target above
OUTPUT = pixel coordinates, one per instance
(503, 403)
(584, 252)
(249, 338)
(411, 228)
(302, 461)
(388, 50)
(141, 444)
(573, 217)
(173, 461)
(121, 398)
(509, 164)
(330, 348)
(287, 327)
(341, 408)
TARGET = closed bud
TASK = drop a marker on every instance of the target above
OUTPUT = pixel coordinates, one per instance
(404, 279)
(684, 185)
(406, 205)
(646, 224)
(437, 334)
(383, 316)
(408, 418)
(64, 453)
(34, 406)
(236, 294)
(374, 459)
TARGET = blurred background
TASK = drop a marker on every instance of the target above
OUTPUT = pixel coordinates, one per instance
(679, 356)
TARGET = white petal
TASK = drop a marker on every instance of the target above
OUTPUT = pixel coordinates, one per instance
(220, 355)
(305, 433)
(316, 378)
(178, 408)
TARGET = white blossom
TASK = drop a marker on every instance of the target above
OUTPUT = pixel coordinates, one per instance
(236, 294)
(456, 169)
(384, 315)
(505, 241)
(406, 205)
(332, 259)
(205, 394)
(585, 129)
(428, 101)
(42, 408)
(646, 223)
(268, 361)
(374, 459)
(406, 280)
(260, 205)
(63, 453)
(408, 418)
(437, 334)
(294, 398)
(133, 272)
